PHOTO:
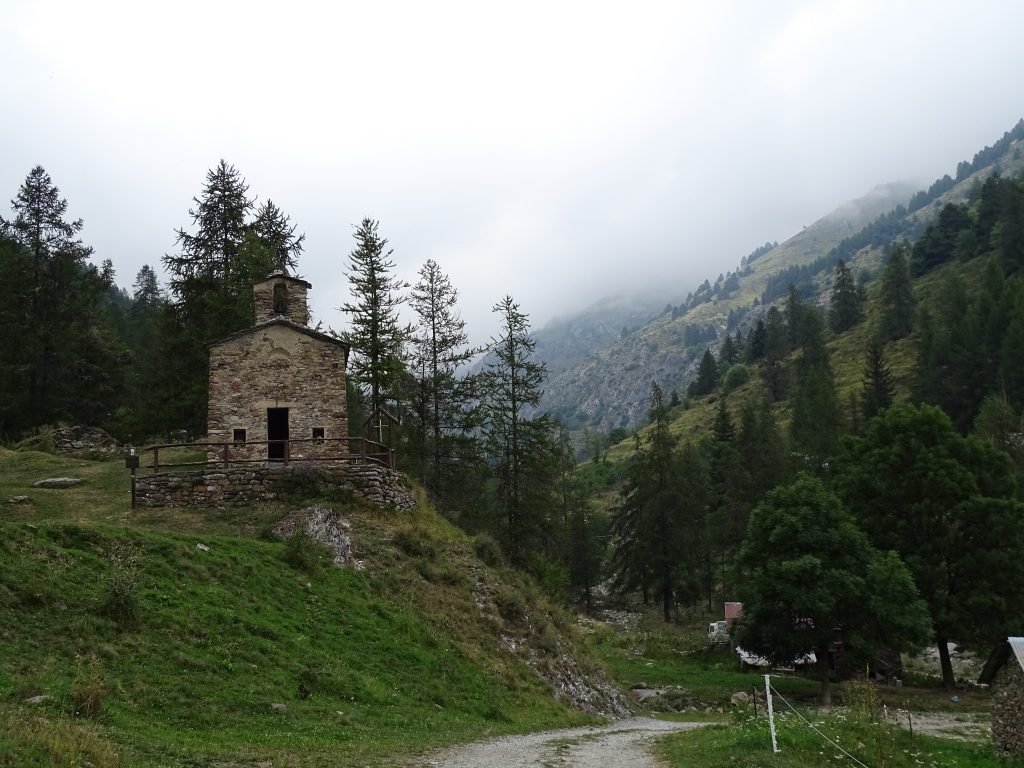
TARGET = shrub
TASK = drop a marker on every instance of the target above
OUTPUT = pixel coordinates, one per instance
(303, 552)
(736, 376)
(488, 550)
(511, 605)
(120, 602)
(416, 542)
(87, 689)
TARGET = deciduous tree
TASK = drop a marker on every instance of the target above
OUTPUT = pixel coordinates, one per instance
(812, 578)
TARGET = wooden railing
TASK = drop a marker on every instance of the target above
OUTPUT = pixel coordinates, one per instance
(219, 454)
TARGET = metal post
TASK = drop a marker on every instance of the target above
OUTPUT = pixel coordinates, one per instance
(753, 690)
(132, 462)
(771, 713)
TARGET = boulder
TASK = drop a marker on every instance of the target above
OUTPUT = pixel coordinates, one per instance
(57, 482)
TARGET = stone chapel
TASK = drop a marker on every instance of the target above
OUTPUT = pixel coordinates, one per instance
(277, 389)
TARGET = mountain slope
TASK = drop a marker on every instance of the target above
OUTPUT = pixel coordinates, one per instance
(609, 388)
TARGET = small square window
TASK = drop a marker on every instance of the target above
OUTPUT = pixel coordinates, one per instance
(318, 433)
(239, 435)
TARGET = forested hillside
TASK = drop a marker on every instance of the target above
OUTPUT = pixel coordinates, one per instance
(608, 390)
(892, 411)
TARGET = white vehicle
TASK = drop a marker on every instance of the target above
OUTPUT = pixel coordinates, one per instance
(718, 633)
(750, 660)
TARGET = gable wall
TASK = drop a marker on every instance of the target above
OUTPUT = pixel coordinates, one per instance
(278, 367)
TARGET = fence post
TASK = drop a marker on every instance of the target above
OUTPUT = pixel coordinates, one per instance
(771, 713)
(156, 460)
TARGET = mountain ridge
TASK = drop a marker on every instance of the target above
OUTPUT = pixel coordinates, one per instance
(608, 388)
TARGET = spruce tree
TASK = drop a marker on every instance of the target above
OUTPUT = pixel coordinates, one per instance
(275, 233)
(816, 421)
(847, 300)
(647, 532)
(375, 334)
(211, 279)
(878, 388)
(61, 358)
(707, 376)
(897, 296)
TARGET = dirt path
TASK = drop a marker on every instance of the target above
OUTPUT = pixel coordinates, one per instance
(622, 744)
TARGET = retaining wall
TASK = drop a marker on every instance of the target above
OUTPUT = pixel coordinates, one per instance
(239, 486)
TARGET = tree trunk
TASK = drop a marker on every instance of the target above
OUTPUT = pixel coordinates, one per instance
(821, 652)
(948, 680)
(666, 603)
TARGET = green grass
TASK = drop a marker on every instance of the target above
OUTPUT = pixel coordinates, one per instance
(184, 666)
(667, 655)
(746, 743)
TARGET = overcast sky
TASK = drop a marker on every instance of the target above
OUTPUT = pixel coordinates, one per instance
(553, 151)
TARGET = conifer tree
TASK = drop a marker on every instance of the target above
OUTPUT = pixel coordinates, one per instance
(375, 334)
(878, 388)
(847, 300)
(510, 385)
(276, 235)
(60, 355)
(707, 376)
(440, 346)
(897, 296)
(816, 421)
(776, 348)
(647, 532)
(211, 279)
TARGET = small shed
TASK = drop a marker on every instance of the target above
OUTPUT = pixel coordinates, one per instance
(277, 389)
(1004, 673)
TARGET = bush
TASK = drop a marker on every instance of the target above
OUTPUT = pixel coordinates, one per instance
(488, 550)
(511, 605)
(87, 689)
(416, 542)
(736, 376)
(119, 600)
(303, 552)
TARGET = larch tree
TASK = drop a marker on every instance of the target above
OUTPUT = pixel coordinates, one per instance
(517, 443)
(375, 333)
(439, 347)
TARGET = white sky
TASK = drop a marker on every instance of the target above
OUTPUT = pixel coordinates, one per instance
(553, 151)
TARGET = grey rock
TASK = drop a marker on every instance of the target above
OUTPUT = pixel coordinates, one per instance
(18, 500)
(277, 707)
(40, 699)
(57, 482)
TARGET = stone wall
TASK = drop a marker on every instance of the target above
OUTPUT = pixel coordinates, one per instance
(278, 366)
(293, 290)
(241, 486)
(1008, 709)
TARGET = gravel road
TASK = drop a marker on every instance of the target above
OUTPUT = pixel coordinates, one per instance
(622, 744)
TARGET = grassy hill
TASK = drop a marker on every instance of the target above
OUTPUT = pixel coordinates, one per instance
(194, 637)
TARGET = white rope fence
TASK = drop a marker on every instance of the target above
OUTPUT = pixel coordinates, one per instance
(769, 690)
